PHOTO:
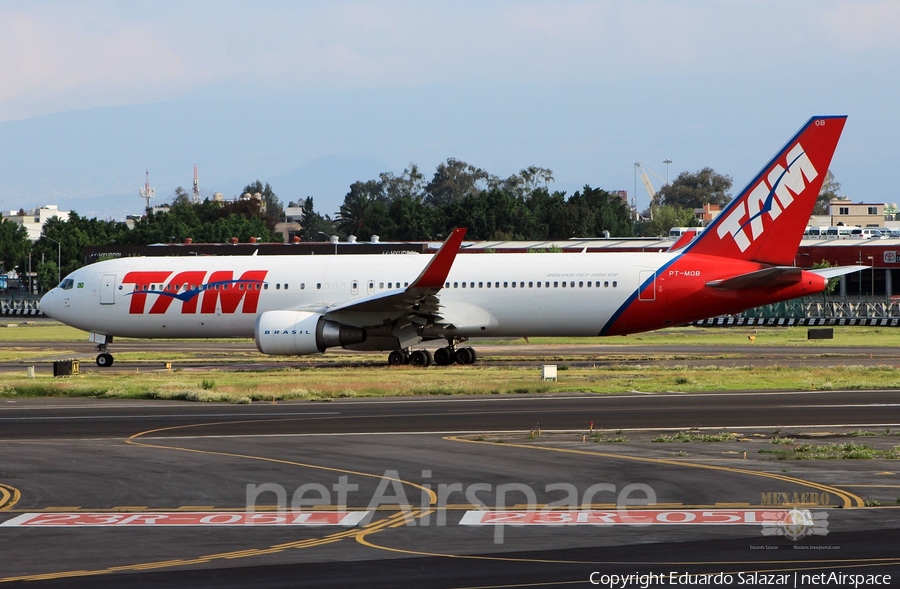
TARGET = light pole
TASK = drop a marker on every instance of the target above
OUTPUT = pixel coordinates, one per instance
(872, 270)
(332, 238)
(58, 259)
(667, 161)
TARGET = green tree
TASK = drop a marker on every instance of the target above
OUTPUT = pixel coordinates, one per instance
(828, 192)
(693, 190)
(48, 274)
(14, 246)
(455, 180)
(527, 181)
(273, 203)
(363, 210)
(665, 217)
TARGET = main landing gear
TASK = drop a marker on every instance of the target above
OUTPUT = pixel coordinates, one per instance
(442, 357)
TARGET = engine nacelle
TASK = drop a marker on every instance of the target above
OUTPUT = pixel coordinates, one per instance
(292, 333)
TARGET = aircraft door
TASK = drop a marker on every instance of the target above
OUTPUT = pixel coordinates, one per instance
(108, 289)
(648, 293)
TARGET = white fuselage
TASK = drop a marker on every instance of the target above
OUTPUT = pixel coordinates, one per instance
(491, 295)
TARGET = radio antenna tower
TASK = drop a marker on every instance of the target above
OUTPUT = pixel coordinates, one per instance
(196, 199)
(146, 192)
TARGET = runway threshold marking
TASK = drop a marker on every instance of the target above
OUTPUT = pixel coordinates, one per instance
(849, 499)
(162, 519)
(368, 529)
(9, 496)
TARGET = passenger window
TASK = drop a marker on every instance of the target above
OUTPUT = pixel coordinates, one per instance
(285, 286)
(455, 285)
(538, 284)
(572, 284)
(555, 284)
(513, 284)
(580, 285)
(615, 284)
(464, 284)
(318, 286)
(446, 285)
(505, 285)
(380, 286)
(606, 284)
(302, 285)
(488, 284)
(278, 286)
(471, 285)
(530, 285)
(564, 284)
(589, 283)
(265, 286)
(480, 285)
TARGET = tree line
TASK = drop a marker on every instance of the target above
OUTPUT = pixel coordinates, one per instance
(404, 207)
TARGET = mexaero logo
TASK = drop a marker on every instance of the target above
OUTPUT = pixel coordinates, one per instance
(195, 290)
(774, 193)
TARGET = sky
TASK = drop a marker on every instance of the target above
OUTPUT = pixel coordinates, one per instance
(312, 96)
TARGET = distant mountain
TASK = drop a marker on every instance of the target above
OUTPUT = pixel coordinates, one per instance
(327, 179)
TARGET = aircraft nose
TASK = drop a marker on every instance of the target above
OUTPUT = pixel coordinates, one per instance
(50, 303)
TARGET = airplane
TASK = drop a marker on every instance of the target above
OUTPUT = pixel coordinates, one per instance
(296, 306)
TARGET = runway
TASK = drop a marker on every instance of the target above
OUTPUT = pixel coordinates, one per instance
(418, 469)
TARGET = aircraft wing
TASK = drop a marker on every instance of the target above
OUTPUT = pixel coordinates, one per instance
(418, 299)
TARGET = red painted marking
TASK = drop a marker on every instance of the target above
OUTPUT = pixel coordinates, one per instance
(139, 279)
(179, 518)
(435, 273)
(621, 517)
(193, 278)
(231, 295)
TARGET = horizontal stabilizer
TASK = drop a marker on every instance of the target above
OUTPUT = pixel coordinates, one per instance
(838, 271)
(769, 277)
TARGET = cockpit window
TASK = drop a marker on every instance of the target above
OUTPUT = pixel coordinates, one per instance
(67, 284)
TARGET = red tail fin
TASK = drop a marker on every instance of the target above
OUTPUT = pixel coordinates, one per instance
(765, 222)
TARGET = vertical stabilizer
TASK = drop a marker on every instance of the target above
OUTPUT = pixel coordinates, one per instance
(765, 222)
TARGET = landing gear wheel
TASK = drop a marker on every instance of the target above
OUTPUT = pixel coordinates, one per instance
(397, 358)
(104, 360)
(465, 356)
(473, 355)
(420, 358)
(443, 356)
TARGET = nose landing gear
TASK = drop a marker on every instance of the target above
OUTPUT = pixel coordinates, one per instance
(104, 359)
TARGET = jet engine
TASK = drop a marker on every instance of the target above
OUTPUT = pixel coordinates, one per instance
(290, 333)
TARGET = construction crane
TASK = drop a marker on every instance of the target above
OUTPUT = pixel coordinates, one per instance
(640, 170)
